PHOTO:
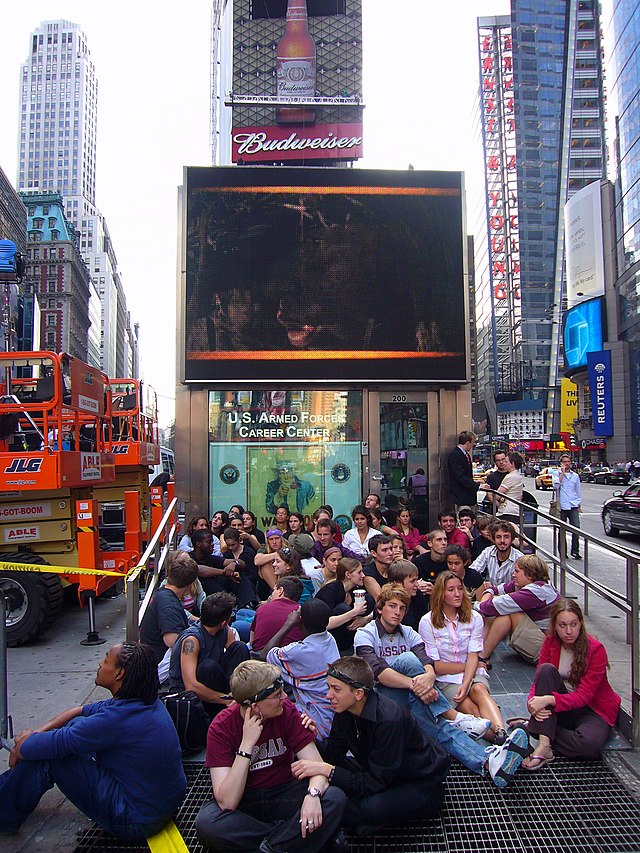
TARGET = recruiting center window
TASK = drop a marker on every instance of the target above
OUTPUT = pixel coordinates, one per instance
(300, 449)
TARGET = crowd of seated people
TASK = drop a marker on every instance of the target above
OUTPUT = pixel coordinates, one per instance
(341, 673)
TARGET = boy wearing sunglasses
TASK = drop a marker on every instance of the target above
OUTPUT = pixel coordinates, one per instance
(257, 804)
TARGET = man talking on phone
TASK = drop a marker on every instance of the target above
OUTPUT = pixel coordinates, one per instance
(257, 804)
(566, 484)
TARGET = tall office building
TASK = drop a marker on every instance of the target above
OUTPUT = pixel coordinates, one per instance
(58, 130)
(542, 113)
(625, 99)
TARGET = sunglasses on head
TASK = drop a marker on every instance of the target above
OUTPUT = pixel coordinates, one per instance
(278, 684)
(286, 551)
(335, 673)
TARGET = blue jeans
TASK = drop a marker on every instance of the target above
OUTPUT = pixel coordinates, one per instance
(451, 739)
(242, 623)
(89, 787)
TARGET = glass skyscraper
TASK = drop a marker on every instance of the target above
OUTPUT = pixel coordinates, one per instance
(625, 91)
(549, 102)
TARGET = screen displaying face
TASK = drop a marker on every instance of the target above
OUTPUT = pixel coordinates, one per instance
(320, 274)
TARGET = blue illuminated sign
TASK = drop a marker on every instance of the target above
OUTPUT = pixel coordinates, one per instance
(582, 333)
(601, 385)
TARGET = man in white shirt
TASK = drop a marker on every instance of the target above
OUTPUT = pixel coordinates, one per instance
(567, 486)
(497, 563)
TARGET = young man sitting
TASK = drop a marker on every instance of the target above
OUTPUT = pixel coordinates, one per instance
(165, 618)
(395, 773)
(220, 574)
(376, 574)
(448, 521)
(118, 760)
(405, 673)
(304, 665)
(271, 616)
(205, 655)
(432, 562)
(405, 573)
(257, 804)
(497, 563)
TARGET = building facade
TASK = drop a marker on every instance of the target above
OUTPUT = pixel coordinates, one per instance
(624, 31)
(57, 272)
(542, 110)
(57, 153)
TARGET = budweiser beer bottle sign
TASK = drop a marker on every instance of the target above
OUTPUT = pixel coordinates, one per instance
(296, 65)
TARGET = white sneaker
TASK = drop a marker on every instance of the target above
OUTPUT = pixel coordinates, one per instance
(505, 760)
(475, 727)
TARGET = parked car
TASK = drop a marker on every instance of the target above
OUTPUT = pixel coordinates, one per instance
(544, 479)
(587, 475)
(622, 512)
(616, 476)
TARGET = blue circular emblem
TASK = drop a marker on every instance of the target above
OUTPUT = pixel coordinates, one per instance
(340, 472)
(229, 474)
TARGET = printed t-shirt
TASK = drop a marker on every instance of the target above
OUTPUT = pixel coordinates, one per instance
(280, 740)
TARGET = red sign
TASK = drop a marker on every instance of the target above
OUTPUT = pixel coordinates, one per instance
(318, 142)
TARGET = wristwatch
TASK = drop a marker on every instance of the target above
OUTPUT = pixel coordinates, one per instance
(314, 792)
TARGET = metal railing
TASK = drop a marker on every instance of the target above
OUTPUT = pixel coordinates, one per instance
(155, 556)
(628, 601)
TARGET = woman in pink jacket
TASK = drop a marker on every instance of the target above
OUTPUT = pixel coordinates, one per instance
(571, 702)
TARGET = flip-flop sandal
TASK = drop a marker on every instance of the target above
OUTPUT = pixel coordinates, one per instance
(486, 662)
(540, 760)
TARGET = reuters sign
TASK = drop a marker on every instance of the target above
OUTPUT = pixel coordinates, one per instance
(275, 144)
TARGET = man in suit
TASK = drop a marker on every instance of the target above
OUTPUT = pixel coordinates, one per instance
(463, 491)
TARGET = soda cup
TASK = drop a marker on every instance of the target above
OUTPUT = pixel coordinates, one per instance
(358, 595)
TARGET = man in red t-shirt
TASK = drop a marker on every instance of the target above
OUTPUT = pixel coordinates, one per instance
(257, 804)
(271, 616)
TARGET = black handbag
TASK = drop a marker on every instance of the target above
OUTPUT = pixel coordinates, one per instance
(189, 717)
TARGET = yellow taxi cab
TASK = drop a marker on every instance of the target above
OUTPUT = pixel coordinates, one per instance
(544, 479)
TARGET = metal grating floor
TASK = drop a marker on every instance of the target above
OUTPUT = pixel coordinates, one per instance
(572, 806)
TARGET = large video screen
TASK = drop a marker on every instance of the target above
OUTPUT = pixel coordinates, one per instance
(313, 275)
(582, 333)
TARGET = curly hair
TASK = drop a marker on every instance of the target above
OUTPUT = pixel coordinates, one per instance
(465, 611)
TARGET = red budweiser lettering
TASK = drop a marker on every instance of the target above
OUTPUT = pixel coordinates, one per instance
(274, 143)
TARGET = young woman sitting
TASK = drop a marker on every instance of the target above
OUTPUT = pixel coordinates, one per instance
(572, 705)
(286, 562)
(357, 539)
(347, 613)
(452, 634)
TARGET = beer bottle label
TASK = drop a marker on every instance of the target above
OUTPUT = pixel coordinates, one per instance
(296, 77)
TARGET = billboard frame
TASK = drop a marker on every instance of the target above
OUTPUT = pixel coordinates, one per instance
(391, 178)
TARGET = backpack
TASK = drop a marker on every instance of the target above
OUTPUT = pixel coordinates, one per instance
(189, 717)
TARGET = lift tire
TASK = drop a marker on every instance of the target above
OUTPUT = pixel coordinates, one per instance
(35, 600)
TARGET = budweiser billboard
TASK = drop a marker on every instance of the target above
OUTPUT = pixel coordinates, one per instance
(320, 141)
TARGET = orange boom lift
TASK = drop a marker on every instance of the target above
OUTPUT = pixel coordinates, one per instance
(70, 463)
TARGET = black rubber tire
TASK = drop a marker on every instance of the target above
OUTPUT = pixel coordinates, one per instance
(42, 599)
(606, 523)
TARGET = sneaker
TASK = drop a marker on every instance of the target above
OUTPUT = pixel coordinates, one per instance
(505, 760)
(577, 556)
(475, 727)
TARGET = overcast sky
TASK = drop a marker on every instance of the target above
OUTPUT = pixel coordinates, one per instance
(420, 81)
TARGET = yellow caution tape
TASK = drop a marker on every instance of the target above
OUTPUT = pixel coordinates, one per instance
(168, 840)
(6, 566)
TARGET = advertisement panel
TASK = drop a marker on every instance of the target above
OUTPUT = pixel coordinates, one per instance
(300, 476)
(601, 385)
(295, 87)
(297, 274)
(87, 387)
(582, 333)
(583, 241)
(320, 142)
(568, 405)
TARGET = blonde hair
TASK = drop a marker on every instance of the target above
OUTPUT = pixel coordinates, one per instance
(533, 567)
(250, 677)
(465, 610)
(390, 591)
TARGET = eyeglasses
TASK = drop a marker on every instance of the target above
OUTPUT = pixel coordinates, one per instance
(277, 685)
(335, 673)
